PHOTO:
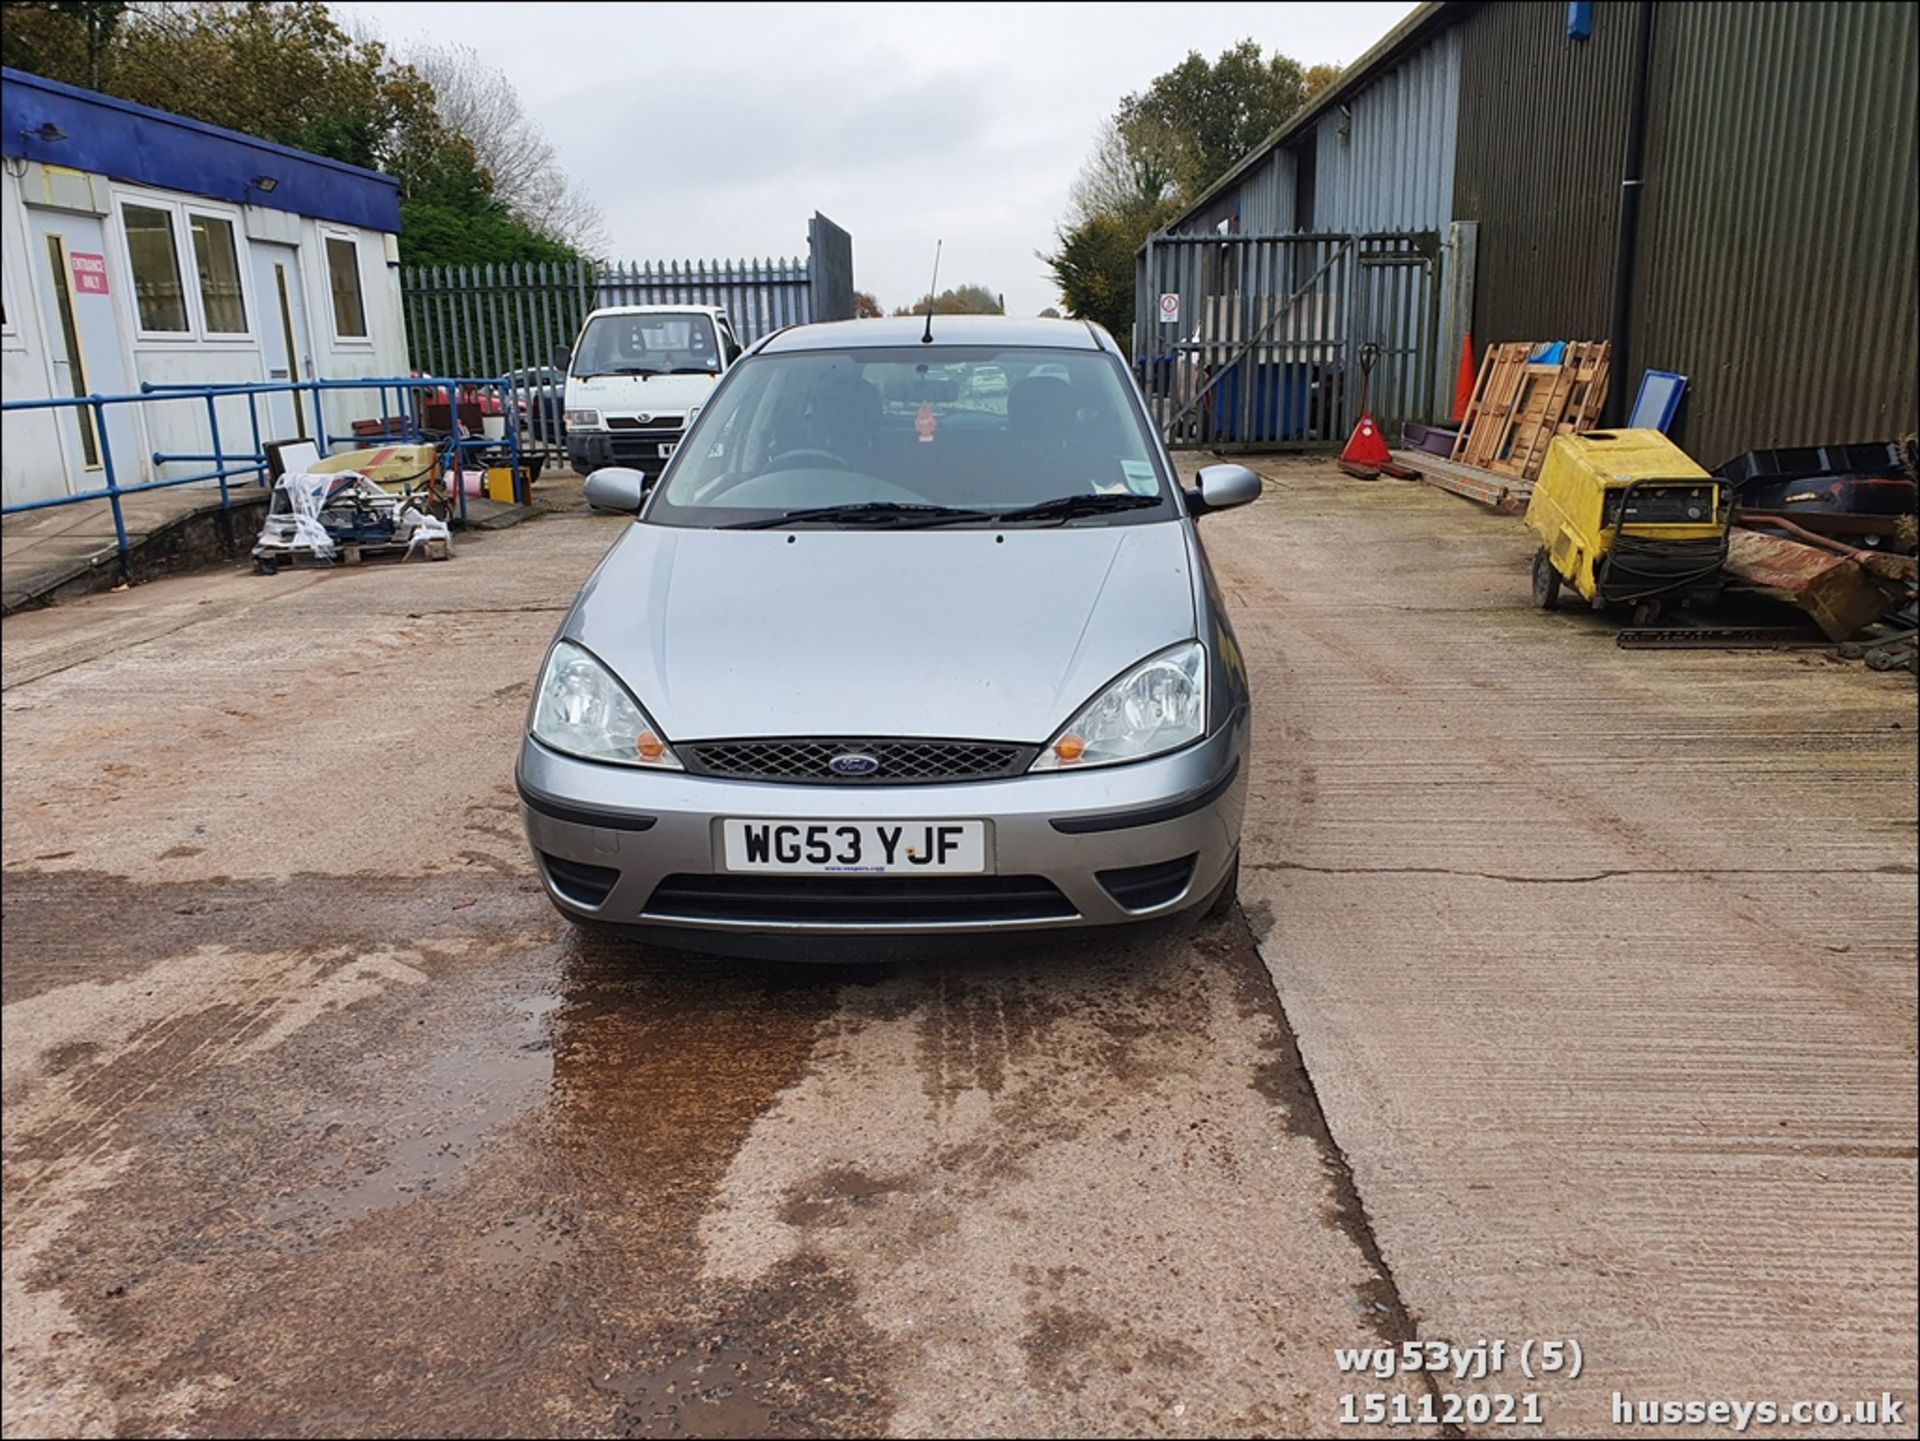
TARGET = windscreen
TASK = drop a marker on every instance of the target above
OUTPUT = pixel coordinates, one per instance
(976, 428)
(647, 345)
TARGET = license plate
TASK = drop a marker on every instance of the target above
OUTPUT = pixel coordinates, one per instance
(666, 448)
(857, 848)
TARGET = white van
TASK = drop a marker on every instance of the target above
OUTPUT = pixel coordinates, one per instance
(635, 375)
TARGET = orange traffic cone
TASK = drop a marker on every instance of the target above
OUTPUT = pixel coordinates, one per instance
(1463, 379)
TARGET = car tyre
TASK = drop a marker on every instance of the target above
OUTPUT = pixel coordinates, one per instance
(1546, 581)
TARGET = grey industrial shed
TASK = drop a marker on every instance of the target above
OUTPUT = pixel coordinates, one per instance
(1775, 256)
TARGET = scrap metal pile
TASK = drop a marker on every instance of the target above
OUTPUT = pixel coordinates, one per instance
(343, 517)
(1834, 530)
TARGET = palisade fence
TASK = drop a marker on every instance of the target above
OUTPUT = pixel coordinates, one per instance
(1256, 342)
(498, 319)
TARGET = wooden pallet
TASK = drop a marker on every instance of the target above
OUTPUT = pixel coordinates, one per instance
(1519, 405)
(303, 556)
(1502, 492)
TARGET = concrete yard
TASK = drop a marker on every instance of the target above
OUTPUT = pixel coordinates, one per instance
(1572, 997)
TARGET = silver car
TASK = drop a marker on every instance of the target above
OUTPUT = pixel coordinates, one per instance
(889, 651)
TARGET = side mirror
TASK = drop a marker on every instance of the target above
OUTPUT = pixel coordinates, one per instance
(1222, 487)
(615, 487)
(562, 358)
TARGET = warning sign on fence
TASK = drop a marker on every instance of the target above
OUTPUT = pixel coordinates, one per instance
(1170, 308)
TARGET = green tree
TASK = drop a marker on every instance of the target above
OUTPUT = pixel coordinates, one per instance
(434, 233)
(961, 300)
(1093, 267)
(66, 40)
(865, 307)
(1319, 77)
(1163, 146)
(1204, 116)
(286, 71)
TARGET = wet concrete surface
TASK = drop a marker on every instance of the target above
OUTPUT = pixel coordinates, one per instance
(319, 1121)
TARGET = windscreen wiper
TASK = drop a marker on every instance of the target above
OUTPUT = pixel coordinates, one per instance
(1067, 507)
(880, 513)
(691, 370)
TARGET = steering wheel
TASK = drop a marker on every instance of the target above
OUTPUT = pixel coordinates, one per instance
(809, 453)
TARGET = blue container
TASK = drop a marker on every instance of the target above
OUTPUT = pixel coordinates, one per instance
(1281, 393)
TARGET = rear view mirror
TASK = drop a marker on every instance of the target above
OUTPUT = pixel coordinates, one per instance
(1222, 487)
(615, 487)
(562, 358)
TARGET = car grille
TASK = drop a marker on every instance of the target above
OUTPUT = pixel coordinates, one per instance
(859, 900)
(809, 761)
(666, 425)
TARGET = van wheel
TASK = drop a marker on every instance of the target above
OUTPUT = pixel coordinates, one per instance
(1546, 581)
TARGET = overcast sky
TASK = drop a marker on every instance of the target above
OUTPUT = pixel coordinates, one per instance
(715, 131)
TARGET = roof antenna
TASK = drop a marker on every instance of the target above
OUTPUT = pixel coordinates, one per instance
(927, 337)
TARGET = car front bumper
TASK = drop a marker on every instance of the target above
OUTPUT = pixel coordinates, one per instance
(641, 850)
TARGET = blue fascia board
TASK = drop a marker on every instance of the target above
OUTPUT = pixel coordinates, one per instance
(143, 146)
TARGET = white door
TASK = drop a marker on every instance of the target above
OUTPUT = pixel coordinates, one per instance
(289, 346)
(83, 337)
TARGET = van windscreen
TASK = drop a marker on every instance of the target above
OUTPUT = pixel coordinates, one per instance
(663, 344)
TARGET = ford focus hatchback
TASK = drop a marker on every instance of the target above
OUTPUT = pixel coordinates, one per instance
(912, 636)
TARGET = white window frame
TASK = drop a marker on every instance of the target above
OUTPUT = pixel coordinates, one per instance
(346, 342)
(213, 210)
(179, 210)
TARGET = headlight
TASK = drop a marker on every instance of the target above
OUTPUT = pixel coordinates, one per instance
(1159, 705)
(583, 419)
(583, 711)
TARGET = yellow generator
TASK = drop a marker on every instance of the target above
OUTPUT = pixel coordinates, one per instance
(1625, 517)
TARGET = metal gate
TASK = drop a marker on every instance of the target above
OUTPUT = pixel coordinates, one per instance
(1256, 341)
(497, 319)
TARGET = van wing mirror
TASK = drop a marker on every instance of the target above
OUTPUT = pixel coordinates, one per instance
(562, 358)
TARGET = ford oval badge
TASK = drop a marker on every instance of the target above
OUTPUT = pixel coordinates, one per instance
(854, 763)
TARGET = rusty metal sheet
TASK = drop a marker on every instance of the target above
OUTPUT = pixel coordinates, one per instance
(1834, 589)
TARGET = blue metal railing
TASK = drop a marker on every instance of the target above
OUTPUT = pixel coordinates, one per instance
(403, 399)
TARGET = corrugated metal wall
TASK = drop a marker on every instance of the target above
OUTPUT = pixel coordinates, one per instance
(1777, 256)
(1541, 141)
(1780, 238)
(1266, 196)
(1389, 164)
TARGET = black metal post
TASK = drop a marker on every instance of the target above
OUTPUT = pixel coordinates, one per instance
(1633, 180)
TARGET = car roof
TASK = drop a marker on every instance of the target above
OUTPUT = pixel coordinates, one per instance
(1007, 331)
